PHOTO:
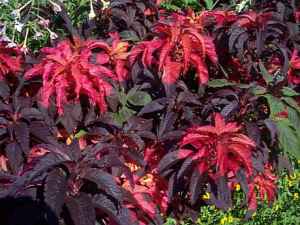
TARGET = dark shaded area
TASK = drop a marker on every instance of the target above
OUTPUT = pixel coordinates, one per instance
(25, 211)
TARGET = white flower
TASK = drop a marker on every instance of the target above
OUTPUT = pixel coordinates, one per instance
(4, 1)
(53, 35)
(3, 36)
(44, 23)
(56, 7)
(19, 26)
(105, 4)
(2, 29)
(92, 13)
(25, 50)
(37, 35)
(11, 45)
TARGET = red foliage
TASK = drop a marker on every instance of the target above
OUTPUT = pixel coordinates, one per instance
(221, 17)
(158, 2)
(293, 77)
(68, 71)
(265, 184)
(10, 60)
(177, 46)
(297, 16)
(152, 155)
(253, 19)
(220, 149)
(150, 194)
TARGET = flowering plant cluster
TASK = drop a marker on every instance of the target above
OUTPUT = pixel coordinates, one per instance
(145, 113)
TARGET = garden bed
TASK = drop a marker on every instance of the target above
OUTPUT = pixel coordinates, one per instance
(149, 112)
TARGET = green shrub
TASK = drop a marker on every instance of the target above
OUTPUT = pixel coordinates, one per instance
(284, 211)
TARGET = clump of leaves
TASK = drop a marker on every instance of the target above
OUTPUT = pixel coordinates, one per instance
(266, 185)
(69, 71)
(206, 151)
(257, 37)
(10, 58)
(178, 45)
(203, 103)
(73, 184)
(21, 126)
(132, 19)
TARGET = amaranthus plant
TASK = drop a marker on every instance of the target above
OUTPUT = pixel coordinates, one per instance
(68, 71)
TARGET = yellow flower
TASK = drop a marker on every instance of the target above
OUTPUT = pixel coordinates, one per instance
(226, 220)
(132, 167)
(296, 196)
(147, 180)
(237, 187)
(293, 176)
(276, 207)
(230, 219)
(199, 221)
(206, 196)
(223, 220)
(69, 140)
(290, 183)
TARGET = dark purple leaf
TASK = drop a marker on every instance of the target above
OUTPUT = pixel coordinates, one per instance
(272, 129)
(31, 113)
(195, 188)
(55, 190)
(22, 135)
(112, 210)
(167, 123)
(104, 181)
(4, 90)
(40, 130)
(284, 163)
(172, 187)
(153, 106)
(72, 116)
(253, 132)
(172, 159)
(224, 193)
(185, 167)
(15, 156)
(81, 209)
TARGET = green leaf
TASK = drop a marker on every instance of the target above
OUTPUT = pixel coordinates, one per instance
(244, 86)
(123, 115)
(267, 77)
(139, 98)
(133, 90)
(209, 4)
(276, 105)
(122, 98)
(292, 103)
(80, 134)
(129, 35)
(216, 83)
(294, 117)
(289, 92)
(258, 90)
(288, 138)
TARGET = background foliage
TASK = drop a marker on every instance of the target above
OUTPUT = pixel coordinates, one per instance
(129, 112)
